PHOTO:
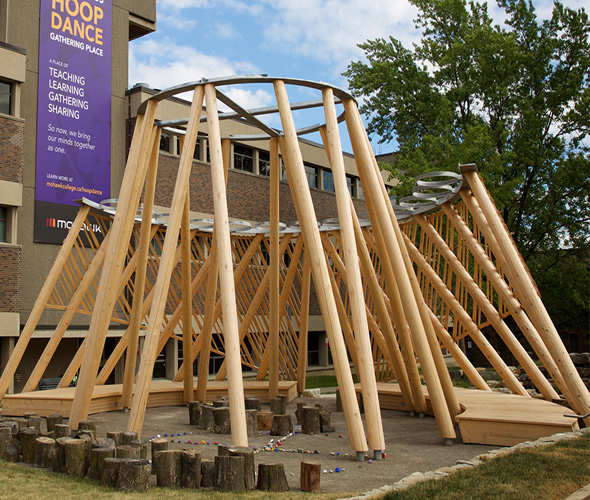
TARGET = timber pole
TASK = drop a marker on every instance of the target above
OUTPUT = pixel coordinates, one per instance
(274, 333)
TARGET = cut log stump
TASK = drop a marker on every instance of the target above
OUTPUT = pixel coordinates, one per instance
(168, 468)
(128, 437)
(222, 420)
(87, 425)
(207, 473)
(252, 422)
(53, 420)
(310, 420)
(128, 451)
(252, 403)
(133, 475)
(59, 464)
(27, 438)
(249, 467)
(34, 421)
(191, 469)
(207, 418)
(194, 412)
(143, 445)
(325, 424)
(265, 419)
(75, 457)
(97, 461)
(44, 452)
(62, 431)
(110, 472)
(117, 437)
(229, 473)
(271, 477)
(5, 441)
(311, 473)
(278, 405)
(281, 425)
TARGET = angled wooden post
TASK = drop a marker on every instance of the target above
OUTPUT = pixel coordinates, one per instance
(40, 303)
(226, 277)
(273, 334)
(313, 245)
(143, 251)
(360, 326)
(530, 299)
(167, 261)
(380, 217)
(117, 249)
(303, 325)
(510, 301)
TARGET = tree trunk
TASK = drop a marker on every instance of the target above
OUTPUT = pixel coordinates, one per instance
(27, 438)
(59, 464)
(62, 431)
(142, 444)
(310, 420)
(207, 419)
(252, 422)
(222, 420)
(278, 405)
(128, 451)
(117, 437)
(5, 441)
(310, 476)
(110, 472)
(128, 437)
(252, 403)
(34, 421)
(52, 420)
(271, 477)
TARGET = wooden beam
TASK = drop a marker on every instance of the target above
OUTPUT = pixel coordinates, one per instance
(273, 334)
(303, 326)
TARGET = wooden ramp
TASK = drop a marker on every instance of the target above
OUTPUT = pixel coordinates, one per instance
(494, 418)
(108, 397)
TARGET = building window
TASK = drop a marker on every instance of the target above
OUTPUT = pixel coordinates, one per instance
(264, 163)
(6, 98)
(328, 181)
(165, 143)
(360, 195)
(243, 158)
(351, 185)
(312, 176)
(197, 152)
(3, 224)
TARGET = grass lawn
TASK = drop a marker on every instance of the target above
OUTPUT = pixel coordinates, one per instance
(550, 472)
(320, 381)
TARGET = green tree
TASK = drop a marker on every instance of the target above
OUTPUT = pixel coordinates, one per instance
(515, 100)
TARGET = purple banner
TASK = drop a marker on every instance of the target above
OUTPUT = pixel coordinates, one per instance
(74, 108)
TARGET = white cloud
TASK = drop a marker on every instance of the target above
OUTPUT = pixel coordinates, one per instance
(162, 63)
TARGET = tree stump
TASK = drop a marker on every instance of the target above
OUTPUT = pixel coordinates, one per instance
(271, 477)
(207, 418)
(265, 419)
(252, 422)
(298, 411)
(59, 464)
(97, 461)
(194, 412)
(325, 424)
(34, 421)
(191, 469)
(53, 420)
(134, 475)
(168, 468)
(117, 437)
(321, 406)
(218, 403)
(29, 414)
(222, 420)
(76, 457)
(44, 452)
(278, 405)
(223, 450)
(207, 473)
(12, 454)
(87, 425)
(86, 433)
(5, 441)
(229, 473)
(110, 472)
(143, 445)
(10, 424)
(128, 437)
(249, 467)
(310, 476)
(62, 431)
(159, 444)
(27, 438)
(310, 420)
(281, 425)
(128, 451)
(252, 403)
(104, 443)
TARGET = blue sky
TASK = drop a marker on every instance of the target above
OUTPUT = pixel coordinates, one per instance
(309, 39)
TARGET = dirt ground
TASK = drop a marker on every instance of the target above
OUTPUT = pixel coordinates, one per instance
(413, 444)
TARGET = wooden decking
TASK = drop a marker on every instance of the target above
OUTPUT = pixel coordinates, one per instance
(108, 397)
(492, 417)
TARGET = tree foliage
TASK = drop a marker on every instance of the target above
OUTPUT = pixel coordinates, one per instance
(513, 99)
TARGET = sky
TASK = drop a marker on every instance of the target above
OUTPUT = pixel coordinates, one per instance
(307, 39)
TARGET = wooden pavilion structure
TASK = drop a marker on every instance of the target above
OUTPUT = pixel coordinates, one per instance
(392, 294)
